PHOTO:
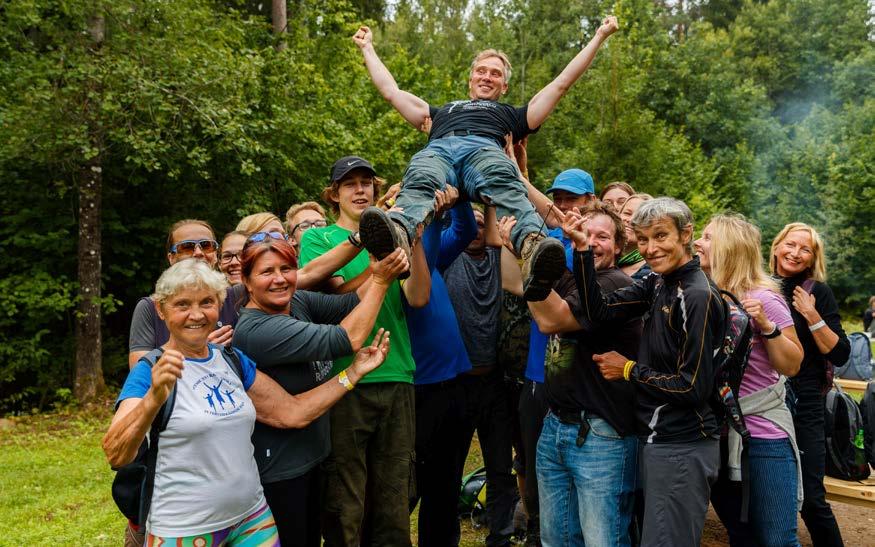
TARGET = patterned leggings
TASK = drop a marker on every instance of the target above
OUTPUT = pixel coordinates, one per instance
(256, 530)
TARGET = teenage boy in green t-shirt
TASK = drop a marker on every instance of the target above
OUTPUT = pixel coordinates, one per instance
(372, 429)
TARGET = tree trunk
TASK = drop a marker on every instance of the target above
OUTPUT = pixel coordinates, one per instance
(89, 370)
(279, 19)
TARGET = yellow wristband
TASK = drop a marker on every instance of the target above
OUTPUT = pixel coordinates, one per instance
(344, 380)
(627, 369)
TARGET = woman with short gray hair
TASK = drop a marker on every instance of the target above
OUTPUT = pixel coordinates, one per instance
(206, 485)
(674, 375)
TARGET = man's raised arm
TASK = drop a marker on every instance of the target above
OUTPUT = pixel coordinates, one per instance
(412, 108)
(543, 103)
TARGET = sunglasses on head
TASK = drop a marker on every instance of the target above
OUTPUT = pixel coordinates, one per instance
(258, 237)
(188, 246)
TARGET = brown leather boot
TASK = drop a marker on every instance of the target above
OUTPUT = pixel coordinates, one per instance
(381, 235)
(543, 264)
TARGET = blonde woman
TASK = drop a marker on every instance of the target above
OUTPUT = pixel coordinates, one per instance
(797, 258)
(261, 222)
(729, 251)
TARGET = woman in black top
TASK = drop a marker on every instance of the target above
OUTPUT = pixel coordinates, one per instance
(797, 258)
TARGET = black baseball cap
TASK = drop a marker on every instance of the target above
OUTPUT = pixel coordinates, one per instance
(346, 164)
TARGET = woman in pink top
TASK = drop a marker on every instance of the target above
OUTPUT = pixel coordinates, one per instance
(729, 251)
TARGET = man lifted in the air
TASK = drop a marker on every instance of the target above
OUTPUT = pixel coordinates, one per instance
(465, 148)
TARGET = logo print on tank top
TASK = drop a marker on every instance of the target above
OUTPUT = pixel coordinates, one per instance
(220, 397)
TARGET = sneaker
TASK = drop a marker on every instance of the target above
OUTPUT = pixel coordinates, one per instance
(381, 235)
(544, 262)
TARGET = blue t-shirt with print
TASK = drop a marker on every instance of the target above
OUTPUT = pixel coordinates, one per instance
(537, 339)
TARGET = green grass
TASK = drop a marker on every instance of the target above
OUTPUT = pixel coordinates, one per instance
(852, 322)
(55, 482)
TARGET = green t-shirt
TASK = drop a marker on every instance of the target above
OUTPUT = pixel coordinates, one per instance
(399, 364)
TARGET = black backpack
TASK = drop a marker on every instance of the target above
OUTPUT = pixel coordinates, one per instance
(843, 431)
(867, 409)
(133, 482)
(730, 363)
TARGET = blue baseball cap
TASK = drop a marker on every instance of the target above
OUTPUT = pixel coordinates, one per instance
(576, 181)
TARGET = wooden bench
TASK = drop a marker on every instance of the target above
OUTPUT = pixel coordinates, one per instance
(855, 388)
(860, 493)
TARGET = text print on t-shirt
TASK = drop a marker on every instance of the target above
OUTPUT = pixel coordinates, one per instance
(472, 105)
(218, 394)
(321, 369)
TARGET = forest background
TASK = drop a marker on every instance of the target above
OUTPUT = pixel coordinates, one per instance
(118, 118)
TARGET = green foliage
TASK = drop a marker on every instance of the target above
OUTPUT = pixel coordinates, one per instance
(764, 107)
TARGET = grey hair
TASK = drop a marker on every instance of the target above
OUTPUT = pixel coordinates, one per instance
(654, 210)
(190, 273)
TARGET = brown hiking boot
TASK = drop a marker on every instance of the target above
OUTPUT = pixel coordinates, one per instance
(544, 262)
(381, 235)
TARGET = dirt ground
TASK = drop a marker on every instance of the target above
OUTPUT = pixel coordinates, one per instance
(857, 525)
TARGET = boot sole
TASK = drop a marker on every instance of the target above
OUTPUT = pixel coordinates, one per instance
(547, 265)
(378, 235)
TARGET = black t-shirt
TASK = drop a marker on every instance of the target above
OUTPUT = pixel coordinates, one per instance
(572, 380)
(489, 119)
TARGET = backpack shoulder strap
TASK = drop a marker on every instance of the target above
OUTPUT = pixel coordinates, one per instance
(232, 357)
(731, 297)
(808, 285)
(159, 424)
(163, 416)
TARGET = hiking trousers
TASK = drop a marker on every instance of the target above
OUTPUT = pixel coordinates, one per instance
(677, 480)
(439, 462)
(480, 170)
(367, 474)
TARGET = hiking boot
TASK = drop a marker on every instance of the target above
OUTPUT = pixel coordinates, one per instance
(544, 262)
(381, 235)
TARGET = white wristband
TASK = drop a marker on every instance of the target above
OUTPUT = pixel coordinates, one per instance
(817, 326)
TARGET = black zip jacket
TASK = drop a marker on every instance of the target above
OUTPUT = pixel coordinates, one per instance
(684, 324)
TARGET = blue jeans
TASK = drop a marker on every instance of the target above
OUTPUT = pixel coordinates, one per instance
(585, 492)
(773, 483)
(481, 171)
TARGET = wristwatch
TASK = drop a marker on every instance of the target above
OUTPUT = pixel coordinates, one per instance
(776, 332)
